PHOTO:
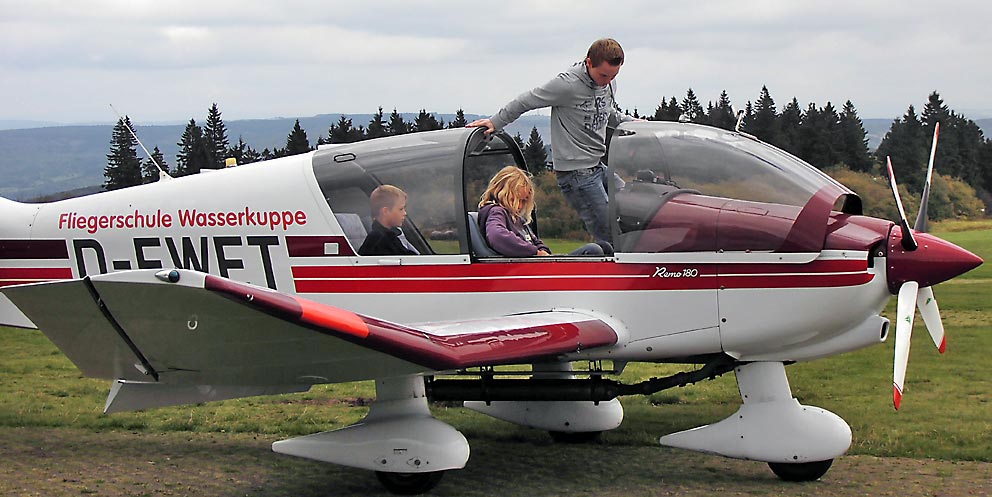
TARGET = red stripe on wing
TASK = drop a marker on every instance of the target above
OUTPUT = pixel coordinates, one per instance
(503, 346)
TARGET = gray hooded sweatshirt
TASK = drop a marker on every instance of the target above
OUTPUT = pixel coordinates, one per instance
(580, 114)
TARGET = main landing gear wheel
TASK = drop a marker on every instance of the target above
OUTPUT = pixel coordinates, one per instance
(804, 471)
(409, 483)
(575, 437)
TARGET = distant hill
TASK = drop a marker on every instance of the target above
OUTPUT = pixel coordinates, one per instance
(21, 124)
(43, 161)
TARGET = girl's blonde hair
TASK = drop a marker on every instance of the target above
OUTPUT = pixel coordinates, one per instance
(504, 190)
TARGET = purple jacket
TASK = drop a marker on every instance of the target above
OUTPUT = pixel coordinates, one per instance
(507, 235)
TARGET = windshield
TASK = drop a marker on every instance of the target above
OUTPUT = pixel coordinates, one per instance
(692, 188)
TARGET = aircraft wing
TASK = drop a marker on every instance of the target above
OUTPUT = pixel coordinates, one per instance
(180, 327)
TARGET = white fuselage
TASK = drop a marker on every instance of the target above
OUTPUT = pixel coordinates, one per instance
(268, 224)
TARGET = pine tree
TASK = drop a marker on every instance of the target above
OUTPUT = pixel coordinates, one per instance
(377, 126)
(692, 110)
(215, 138)
(426, 121)
(748, 121)
(960, 144)
(722, 115)
(819, 136)
(853, 140)
(519, 139)
(149, 171)
(934, 111)
(709, 114)
(343, 132)
(534, 153)
(668, 110)
(243, 153)
(809, 136)
(396, 125)
(192, 155)
(765, 124)
(790, 125)
(966, 142)
(907, 144)
(459, 121)
(123, 166)
(985, 158)
(296, 141)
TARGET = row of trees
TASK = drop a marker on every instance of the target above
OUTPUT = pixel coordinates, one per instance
(199, 148)
(208, 147)
(827, 138)
(821, 136)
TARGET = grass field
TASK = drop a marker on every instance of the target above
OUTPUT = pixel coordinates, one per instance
(946, 413)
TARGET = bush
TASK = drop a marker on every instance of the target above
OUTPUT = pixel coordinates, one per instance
(950, 198)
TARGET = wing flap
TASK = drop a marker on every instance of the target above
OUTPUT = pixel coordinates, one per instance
(67, 314)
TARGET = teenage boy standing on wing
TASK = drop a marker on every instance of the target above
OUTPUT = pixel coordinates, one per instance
(582, 107)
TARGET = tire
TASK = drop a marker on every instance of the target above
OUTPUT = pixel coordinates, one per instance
(575, 437)
(409, 483)
(804, 471)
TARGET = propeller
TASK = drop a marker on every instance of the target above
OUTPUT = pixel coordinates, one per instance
(911, 296)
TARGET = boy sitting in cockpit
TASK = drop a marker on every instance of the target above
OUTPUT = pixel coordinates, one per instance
(388, 204)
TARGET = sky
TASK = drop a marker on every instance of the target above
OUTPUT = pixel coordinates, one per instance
(168, 61)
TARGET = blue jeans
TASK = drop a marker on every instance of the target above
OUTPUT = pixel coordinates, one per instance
(585, 191)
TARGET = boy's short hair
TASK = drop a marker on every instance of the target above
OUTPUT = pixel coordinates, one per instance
(385, 196)
(605, 49)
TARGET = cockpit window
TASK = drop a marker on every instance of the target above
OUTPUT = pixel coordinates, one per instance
(427, 166)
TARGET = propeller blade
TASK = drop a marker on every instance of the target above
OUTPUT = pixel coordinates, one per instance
(921, 217)
(908, 240)
(930, 313)
(905, 311)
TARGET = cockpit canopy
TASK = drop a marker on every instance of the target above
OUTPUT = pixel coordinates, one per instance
(688, 188)
(697, 188)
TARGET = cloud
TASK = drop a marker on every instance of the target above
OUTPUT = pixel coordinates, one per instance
(258, 59)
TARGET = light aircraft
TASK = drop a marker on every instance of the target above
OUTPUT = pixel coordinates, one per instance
(730, 255)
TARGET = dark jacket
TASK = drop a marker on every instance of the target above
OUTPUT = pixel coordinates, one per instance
(508, 235)
(383, 241)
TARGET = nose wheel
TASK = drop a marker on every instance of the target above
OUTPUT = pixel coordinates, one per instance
(804, 471)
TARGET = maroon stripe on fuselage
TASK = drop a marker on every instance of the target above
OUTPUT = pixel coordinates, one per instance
(315, 246)
(576, 276)
(35, 273)
(33, 249)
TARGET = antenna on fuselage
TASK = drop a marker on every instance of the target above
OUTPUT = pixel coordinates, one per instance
(740, 121)
(162, 174)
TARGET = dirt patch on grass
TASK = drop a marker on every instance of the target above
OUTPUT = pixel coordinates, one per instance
(61, 462)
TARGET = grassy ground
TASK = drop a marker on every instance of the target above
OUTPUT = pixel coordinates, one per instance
(70, 462)
(946, 414)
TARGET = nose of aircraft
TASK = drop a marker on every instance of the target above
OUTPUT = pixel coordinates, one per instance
(935, 260)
